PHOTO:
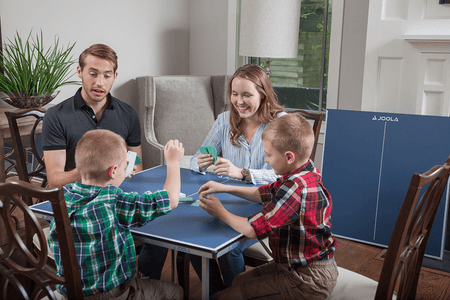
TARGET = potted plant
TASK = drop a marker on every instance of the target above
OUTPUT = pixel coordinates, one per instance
(32, 74)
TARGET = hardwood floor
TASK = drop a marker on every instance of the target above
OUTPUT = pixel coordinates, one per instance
(361, 258)
(195, 285)
(365, 259)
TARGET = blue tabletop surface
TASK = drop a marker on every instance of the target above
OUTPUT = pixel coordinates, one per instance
(189, 224)
(186, 225)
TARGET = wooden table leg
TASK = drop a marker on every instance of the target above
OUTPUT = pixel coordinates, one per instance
(2, 159)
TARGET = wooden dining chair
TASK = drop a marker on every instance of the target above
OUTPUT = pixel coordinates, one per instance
(36, 171)
(317, 117)
(401, 268)
(23, 270)
(256, 254)
(28, 153)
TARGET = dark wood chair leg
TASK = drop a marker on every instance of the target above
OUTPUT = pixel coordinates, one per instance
(183, 264)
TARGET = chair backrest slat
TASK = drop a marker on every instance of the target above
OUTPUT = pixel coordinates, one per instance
(38, 170)
(24, 269)
(401, 268)
(317, 118)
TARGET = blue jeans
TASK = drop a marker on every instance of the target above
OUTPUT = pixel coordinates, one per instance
(151, 260)
(231, 264)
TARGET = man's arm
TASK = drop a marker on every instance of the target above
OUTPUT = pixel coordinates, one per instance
(138, 151)
(55, 160)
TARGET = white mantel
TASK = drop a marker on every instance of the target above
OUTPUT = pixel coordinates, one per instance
(419, 38)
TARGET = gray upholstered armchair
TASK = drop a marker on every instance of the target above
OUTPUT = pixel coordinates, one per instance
(178, 107)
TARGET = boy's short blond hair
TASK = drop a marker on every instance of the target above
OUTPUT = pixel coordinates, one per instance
(290, 132)
(97, 151)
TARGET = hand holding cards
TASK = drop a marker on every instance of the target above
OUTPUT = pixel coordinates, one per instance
(133, 160)
(209, 150)
(131, 157)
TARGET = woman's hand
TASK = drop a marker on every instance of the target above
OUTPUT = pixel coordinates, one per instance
(204, 161)
(225, 167)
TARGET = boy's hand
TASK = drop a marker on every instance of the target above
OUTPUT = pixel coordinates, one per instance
(173, 151)
(211, 187)
(134, 171)
(211, 205)
(204, 161)
(225, 167)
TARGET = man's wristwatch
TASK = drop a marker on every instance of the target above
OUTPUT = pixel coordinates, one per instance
(244, 173)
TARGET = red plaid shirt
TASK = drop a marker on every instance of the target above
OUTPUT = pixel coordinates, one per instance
(296, 217)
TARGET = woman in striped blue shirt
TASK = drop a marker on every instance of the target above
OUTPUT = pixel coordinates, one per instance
(237, 135)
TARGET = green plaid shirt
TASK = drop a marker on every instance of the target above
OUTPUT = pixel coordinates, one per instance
(100, 219)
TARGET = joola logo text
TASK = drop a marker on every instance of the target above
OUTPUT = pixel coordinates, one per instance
(383, 118)
(182, 249)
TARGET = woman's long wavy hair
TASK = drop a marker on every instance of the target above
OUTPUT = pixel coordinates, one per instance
(269, 107)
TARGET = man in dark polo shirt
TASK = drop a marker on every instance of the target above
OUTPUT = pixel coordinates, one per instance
(92, 107)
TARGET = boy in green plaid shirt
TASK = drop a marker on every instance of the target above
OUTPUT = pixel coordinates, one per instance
(101, 215)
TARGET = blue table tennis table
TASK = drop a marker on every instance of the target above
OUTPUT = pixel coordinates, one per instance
(187, 228)
(368, 161)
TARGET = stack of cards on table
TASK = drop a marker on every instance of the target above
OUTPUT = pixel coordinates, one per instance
(183, 198)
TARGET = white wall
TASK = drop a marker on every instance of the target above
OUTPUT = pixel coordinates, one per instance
(347, 44)
(390, 56)
(150, 37)
(405, 53)
(396, 58)
(212, 37)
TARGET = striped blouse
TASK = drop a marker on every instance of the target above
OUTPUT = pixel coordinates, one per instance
(247, 156)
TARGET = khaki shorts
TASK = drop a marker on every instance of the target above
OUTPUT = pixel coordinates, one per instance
(274, 281)
(140, 288)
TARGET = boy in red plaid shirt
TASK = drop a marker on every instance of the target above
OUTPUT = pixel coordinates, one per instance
(295, 216)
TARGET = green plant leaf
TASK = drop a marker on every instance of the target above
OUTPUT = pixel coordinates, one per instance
(31, 69)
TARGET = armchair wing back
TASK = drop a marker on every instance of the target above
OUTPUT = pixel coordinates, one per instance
(178, 107)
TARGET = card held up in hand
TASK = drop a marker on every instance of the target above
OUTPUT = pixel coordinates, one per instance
(138, 160)
(209, 150)
(131, 157)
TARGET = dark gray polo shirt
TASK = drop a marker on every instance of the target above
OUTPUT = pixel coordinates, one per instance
(65, 123)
